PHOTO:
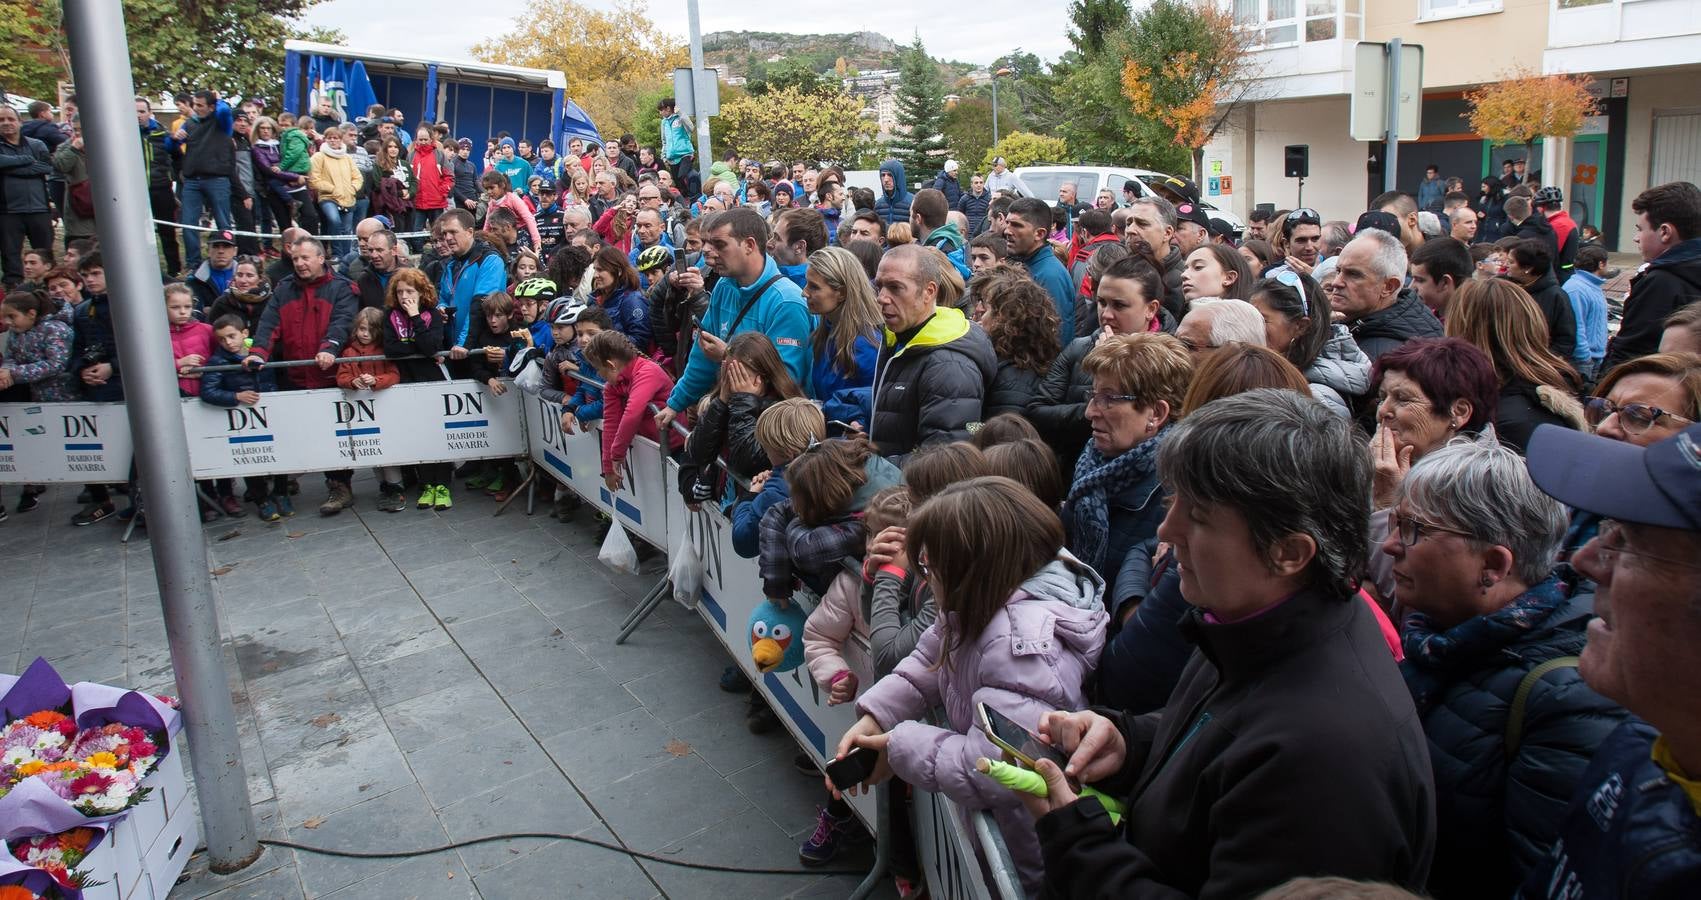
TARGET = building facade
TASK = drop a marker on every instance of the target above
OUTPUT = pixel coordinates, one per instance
(1640, 53)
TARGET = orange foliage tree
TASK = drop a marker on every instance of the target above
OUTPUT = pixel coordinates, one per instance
(1524, 105)
(1187, 67)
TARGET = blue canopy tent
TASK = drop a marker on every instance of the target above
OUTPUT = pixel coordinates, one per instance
(477, 100)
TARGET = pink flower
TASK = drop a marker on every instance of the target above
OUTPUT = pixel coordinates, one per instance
(142, 750)
(92, 783)
(67, 728)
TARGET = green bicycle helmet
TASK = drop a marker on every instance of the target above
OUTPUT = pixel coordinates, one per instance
(654, 258)
(540, 289)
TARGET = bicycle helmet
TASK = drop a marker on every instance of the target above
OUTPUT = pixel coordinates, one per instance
(540, 289)
(654, 258)
(1550, 196)
(565, 311)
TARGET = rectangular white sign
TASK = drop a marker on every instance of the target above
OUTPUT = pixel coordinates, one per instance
(56, 443)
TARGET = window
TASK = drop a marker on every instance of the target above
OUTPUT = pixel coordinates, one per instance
(1447, 8)
(1273, 23)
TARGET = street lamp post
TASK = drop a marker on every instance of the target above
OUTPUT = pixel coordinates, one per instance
(995, 76)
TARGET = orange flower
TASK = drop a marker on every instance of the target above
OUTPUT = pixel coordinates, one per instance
(46, 718)
(64, 765)
(13, 892)
(78, 838)
(33, 767)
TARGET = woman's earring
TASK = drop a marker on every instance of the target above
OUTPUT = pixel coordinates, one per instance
(1486, 582)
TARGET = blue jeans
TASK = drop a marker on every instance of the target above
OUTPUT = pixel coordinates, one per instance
(335, 220)
(197, 194)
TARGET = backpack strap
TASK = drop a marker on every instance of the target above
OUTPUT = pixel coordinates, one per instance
(1521, 699)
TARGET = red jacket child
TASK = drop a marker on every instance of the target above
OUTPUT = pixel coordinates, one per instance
(191, 339)
(384, 371)
(624, 417)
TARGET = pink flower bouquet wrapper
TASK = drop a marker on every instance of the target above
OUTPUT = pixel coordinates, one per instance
(39, 880)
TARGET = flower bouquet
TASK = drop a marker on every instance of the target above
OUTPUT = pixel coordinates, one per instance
(72, 756)
(56, 855)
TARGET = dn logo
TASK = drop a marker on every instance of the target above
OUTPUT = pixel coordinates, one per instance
(246, 419)
(356, 411)
(80, 426)
(462, 404)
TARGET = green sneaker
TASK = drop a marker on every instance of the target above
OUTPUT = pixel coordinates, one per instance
(428, 496)
(479, 481)
(441, 498)
(494, 486)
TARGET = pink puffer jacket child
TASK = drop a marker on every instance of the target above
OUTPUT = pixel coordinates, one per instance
(191, 339)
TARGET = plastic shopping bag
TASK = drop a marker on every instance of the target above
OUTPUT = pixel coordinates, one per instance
(617, 551)
(685, 572)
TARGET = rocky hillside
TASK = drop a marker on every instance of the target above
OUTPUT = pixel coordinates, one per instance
(745, 51)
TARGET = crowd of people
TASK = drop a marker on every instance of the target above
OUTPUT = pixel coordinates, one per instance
(1343, 550)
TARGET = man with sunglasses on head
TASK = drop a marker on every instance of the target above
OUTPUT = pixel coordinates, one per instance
(1634, 825)
(1302, 236)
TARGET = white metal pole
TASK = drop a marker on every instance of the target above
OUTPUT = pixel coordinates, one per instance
(696, 37)
(100, 62)
(1391, 156)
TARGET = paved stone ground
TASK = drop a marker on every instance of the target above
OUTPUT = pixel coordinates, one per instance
(404, 680)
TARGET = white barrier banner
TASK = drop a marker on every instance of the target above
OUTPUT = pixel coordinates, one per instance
(79, 443)
(576, 459)
(330, 428)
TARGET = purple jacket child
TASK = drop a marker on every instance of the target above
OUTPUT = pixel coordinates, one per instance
(1032, 658)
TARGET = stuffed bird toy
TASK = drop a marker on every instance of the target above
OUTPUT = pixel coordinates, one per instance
(776, 636)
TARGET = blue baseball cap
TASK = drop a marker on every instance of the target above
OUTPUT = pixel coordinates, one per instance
(1658, 485)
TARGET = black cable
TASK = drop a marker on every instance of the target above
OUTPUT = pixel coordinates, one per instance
(553, 835)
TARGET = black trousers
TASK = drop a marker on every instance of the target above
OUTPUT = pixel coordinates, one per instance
(162, 202)
(14, 227)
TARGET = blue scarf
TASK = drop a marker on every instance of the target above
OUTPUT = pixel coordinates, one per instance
(1434, 659)
(1098, 479)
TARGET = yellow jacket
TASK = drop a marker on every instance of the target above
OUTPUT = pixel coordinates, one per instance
(334, 178)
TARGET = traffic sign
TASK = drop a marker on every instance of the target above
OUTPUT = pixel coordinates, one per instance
(1369, 117)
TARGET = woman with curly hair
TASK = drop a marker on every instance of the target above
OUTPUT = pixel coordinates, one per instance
(1021, 322)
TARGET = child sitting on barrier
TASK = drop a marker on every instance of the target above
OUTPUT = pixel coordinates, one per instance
(752, 378)
(784, 430)
(243, 387)
(38, 353)
(414, 328)
(581, 402)
(557, 384)
(191, 341)
(495, 340)
(365, 338)
(1024, 633)
(806, 536)
(632, 382)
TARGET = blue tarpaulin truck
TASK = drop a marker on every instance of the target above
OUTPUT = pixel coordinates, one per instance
(477, 100)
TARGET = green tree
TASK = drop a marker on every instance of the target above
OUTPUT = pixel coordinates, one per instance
(789, 124)
(1091, 22)
(233, 46)
(792, 73)
(1188, 67)
(920, 138)
(968, 130)
(646, 121)
(1026, 149)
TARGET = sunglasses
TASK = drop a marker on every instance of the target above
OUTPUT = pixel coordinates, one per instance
(1305, 215)
(1634, 417)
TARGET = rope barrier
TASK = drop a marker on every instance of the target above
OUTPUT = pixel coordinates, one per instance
(271, 235)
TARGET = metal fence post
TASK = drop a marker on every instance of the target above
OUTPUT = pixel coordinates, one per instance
(100, 62)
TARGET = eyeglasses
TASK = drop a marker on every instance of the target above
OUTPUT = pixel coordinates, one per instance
(1102, 399)
(1411, 529)
(1634, 417)
(1609, 543)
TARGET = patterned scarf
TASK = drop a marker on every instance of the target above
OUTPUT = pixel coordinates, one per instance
(1098, 479)
(1435, 658)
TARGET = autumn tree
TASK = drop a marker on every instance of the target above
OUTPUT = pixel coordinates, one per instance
(968, 129)
(1524, 105)
(612, 56)
(1187, 67)
(920, 138)
(789, 124)
(1026, 149)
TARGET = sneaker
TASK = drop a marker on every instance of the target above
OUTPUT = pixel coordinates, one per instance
(286, 506)
(564, 511)
(232, 507)
(4, 515)
(28, 501)
(832, 834)
(440, 500)
(92, 513)
(341, 497)
(760, 719)
(269, 511)
(428, 496)
(502, 496)
(805, 765)
(733, 680)
(390, 499)
(294, 488)
(480, 481)
(493, 486)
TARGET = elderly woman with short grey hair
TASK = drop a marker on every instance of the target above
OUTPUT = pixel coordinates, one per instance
(1491, 637)
(1293, 693)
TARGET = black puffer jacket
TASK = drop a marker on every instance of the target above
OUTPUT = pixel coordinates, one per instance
(929, 389)
(1388, 328)
(1013, 390)
(1059, 411)
(24, 168)
(1660, 289)
(726, 430)
(1555, 305)
(1523, 406)
(1496, 815)
(1175, 302)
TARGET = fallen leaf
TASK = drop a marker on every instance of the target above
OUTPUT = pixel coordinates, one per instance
(296, 534)
(230, 534)
(678, 747)
(225, 570)
(451, 876)
(325, 720)
(515, 561)
(314, 822)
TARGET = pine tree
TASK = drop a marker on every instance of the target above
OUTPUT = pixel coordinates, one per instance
(920, 139)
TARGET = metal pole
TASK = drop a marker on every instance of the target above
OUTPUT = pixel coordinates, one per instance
(100, 62)
(696, 37)
(995, 109)
(1391, 156)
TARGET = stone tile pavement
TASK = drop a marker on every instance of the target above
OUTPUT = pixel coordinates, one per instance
(406, 680)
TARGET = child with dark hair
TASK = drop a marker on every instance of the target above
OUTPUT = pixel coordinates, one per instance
(809, 534)
(243, 387)
(366, 338)
(632, 382)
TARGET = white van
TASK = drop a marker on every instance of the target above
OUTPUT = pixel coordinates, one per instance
(1045, 180)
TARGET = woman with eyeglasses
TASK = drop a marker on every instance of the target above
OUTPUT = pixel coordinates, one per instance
(1536, 386)
(1115, 499)
(1491, 632)
(1642, 402)
(1298, 325)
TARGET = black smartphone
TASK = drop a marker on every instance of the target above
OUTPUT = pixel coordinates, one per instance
(679, 261)
(854, 769)
(1015, 740)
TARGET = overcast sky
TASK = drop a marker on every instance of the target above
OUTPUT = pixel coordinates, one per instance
(448, 28)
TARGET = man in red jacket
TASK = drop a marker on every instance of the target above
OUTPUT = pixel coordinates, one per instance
(433, 178)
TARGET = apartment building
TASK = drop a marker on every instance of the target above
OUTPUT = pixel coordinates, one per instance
(1641, 53)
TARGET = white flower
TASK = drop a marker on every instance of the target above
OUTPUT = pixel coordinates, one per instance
(49, 740)
(15, 756)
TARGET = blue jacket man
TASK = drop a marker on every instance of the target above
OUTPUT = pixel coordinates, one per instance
(475, 270)
(892, 203)
(1026, 229)
(1588, 304)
